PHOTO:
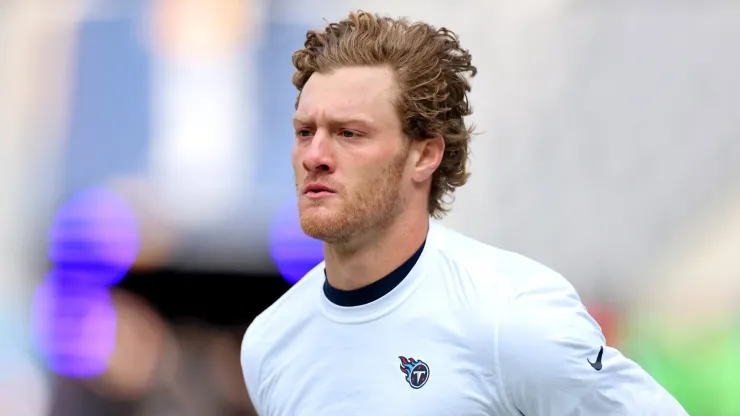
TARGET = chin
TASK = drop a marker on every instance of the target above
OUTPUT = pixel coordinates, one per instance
(323, 224)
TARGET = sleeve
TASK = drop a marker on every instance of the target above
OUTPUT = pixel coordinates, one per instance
(554, 361)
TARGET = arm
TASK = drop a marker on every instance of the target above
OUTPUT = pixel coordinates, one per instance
(554, 361)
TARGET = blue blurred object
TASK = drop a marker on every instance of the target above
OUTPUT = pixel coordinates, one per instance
(94, 240)
(293, 252)
(110, 121)
(73, 328)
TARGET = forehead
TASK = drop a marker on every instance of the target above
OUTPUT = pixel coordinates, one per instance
(364, 92)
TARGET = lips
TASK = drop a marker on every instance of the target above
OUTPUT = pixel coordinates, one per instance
(317, 188)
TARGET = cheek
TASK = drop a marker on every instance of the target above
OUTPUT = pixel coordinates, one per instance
(296, 159)
(368, 178)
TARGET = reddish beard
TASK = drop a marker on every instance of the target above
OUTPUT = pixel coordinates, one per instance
(370, 205)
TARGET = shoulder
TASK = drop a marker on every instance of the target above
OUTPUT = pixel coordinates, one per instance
(516, 295)
(498, 274)
(264, 334)
(549, 353)
(280, 315)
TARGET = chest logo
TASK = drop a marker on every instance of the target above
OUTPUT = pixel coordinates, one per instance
(417, 372)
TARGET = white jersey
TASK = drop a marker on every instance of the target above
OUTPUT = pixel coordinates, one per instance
(460, 329)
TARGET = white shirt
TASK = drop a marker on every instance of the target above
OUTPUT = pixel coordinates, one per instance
(469, 330)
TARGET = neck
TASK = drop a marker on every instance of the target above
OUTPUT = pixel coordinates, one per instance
(362, 262)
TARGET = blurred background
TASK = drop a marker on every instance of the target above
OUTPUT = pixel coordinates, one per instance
(147, 216)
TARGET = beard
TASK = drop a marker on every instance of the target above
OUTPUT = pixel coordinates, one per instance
(371, 205)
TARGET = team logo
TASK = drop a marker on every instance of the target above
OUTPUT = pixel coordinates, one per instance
(417, 372)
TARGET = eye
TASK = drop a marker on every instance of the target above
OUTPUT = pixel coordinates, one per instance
(348, 134)
(303, 133)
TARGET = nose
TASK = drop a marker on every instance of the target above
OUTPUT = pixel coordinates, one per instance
(317, 155)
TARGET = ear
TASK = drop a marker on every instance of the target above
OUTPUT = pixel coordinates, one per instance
(429, 156)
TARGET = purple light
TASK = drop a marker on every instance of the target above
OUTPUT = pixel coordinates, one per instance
(293, 252)
(74, 329)
(94, 239)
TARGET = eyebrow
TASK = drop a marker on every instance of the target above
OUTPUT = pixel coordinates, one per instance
(302, 119)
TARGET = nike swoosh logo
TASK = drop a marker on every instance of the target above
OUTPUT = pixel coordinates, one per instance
(597, 364)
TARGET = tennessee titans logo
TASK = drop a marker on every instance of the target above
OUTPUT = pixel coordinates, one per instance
(417, 372)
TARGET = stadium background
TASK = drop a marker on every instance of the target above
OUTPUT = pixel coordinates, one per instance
(146, 215)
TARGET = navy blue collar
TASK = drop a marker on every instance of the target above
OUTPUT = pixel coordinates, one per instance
(375, 290)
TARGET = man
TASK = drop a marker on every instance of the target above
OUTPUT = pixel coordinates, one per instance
(403, 318)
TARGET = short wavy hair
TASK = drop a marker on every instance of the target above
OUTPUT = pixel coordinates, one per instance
(430, 67)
